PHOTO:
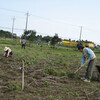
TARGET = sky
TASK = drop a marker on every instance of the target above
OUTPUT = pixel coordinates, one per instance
(47, 17)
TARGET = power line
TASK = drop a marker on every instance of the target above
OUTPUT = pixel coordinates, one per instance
(41, 33)
(44, 19)
(12, 10)
(39, 17)
(10, 28)
(89, 29)
(48, 19)
(55, 21)
(22, 30)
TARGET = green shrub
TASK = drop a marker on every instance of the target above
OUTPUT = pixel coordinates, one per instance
(54, 72)
(50, 71)
(72, 75)
(62, 73)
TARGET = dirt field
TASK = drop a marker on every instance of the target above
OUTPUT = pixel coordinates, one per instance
(42, 86)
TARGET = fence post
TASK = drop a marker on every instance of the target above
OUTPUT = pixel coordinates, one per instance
(22, 75)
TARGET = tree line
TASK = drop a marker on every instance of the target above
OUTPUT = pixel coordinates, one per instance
(30, 35)
(7, 34)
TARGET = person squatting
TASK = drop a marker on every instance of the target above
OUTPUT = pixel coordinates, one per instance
(7, 52)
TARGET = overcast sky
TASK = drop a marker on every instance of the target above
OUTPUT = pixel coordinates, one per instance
(47, 17)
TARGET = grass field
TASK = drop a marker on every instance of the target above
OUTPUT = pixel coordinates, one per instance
(48, 75)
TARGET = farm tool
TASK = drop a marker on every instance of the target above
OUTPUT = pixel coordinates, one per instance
(85, 64)
(78, 69)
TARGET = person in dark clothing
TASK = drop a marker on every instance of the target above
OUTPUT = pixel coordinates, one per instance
(23, 42)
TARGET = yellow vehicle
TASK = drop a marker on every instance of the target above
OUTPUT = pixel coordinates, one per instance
(74, 44)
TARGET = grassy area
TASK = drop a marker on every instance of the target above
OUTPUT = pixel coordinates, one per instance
(48, 74)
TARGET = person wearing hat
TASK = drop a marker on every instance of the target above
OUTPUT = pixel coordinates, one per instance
(88, 58)
(7, 52)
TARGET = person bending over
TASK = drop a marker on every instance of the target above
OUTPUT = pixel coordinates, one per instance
(88, 58)
(7, 52)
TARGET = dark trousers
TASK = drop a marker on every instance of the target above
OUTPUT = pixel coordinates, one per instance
(23, 46)
(11, 53)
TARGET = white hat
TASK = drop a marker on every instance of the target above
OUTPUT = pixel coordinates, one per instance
(6, 48)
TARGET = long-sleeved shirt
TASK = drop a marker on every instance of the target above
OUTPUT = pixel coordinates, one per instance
(23, 41)
(88, 54)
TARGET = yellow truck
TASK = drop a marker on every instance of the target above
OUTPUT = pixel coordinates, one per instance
(72, 44)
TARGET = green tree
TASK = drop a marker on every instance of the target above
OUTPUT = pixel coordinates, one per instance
(29, 35)
(47, 38)
(5, 34)
(55, 40)
(39, 37)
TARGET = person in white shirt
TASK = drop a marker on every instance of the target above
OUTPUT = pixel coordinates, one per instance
(23, 42)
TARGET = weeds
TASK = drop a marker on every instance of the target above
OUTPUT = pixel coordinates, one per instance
(54, 62)
(14, 86)
(46, 83)
(54, 72)
(50, 97)
(98, 89)
(71, 92)
(50, 71)
(72, 75)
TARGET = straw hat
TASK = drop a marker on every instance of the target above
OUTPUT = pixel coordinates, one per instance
(6, 48)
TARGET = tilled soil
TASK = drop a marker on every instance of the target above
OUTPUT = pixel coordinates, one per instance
(40, 86)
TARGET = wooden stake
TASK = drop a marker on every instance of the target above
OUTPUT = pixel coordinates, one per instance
(23, 75)
(78, 69)
(86, 95)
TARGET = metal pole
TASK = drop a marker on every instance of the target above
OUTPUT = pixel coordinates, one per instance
(80, 34)
(13, 26)
(27, 14)
(23, 76)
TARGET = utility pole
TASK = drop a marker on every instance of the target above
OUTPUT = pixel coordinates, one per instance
(13, 26)
(27, 14)
(80, 34)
